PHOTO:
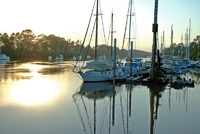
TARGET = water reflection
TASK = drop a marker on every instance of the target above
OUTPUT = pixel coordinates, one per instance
(39, 96)
(33, 91)
(155, 96)
(94, 92)
(29, 83)
(195, 74)
(103, 108)
(4, 61)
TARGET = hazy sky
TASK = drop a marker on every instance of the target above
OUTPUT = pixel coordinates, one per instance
(69, 18)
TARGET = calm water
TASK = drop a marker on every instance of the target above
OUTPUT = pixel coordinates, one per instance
(48, 98)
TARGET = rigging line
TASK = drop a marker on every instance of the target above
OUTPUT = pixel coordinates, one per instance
(134, 35)
(134, 114)
(109, 33)
(125, 32)
(127, 113)
(137, 35)
(136, 30)
(87, 114)
(78, 76)
(102, 23)
(110, 117)
(76, 92)
(122, 113)
(86, 31)
(79, 112)
(103, 119)
(89, 43)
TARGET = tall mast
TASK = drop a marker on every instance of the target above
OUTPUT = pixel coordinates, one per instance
(96, 37)
(172, 41)
(0, 43)
(181, 46)
(129, 41)
(161, 46)
(111, 32)
(198, 52)
(163, 43)
(186, 43)
(155, 30)
(189, 39)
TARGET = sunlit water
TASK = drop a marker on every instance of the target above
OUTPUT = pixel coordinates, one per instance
(48, 98)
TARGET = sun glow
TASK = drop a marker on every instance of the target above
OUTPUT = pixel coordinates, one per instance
(34, 91)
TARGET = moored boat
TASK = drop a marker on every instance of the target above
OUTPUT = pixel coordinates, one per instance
(99, 70)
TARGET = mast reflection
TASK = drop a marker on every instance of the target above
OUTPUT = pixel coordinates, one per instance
(155, 95)
(94, 92)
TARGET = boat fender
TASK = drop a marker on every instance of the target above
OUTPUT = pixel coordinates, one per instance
(144, 69)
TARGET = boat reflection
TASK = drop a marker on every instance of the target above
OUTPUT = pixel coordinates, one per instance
(121, 104)
(96, 90)
(103, 93)
(4, 61)
(94, 93)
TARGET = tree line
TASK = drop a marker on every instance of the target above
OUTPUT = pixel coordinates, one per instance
(25, 45)
(194, 49)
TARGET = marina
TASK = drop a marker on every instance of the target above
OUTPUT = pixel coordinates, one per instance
(49, 98)
(53, 85)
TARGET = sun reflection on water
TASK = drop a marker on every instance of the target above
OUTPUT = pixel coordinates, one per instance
(34, 91)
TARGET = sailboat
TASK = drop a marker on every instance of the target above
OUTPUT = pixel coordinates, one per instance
(49, 57)
(97, 70)
(59, 57)
(131, 66)
(74, 58)
(3, 57)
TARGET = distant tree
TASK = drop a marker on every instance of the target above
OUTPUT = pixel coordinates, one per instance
(28, 39)
(5, 39)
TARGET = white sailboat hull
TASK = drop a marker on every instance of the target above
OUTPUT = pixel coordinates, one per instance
(59, 58)
(49, 58)
(97, 76)
(93, 77)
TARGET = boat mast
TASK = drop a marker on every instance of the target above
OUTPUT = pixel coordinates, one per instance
(172, 41)
(163, 43)
(181, 46)
(129, 39)
(155, 30)
(59, 48)
(111, 32)
(189, 39)
(198, 52)
(96, 37)
(0, 43)
(186, 43)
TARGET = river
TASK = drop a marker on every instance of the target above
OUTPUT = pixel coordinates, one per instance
(48, 98)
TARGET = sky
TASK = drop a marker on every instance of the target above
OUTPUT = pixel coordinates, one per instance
(69, 18)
